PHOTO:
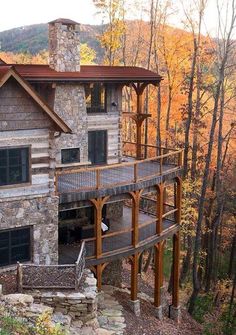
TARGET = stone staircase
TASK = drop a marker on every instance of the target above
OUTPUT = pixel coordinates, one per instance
(110, 313)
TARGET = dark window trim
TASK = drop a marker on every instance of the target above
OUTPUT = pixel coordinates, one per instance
(30, 228)
(29, 164)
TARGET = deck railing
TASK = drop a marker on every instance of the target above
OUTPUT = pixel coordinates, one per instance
(92, 178)
(66, 276)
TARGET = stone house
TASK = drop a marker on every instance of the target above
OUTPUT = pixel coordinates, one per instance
(65, 170)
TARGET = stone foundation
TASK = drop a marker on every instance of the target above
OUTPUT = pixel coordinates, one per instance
(41, 213)
(135, 307)
(175, 313)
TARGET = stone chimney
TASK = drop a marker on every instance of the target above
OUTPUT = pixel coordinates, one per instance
(64, 46)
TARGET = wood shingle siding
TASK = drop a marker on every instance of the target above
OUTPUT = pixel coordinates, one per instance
(19, 111)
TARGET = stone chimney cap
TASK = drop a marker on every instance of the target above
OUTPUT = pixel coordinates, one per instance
(64, 21)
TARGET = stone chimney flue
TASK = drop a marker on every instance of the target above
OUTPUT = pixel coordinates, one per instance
(64, 45)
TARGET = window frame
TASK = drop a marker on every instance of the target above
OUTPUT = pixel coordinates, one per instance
(29, 182)
(105, 99)
(10, 246)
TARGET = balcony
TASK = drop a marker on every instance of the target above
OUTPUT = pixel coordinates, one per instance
(157, 165)
(118, 242)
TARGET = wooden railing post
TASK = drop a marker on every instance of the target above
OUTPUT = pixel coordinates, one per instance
(135, 172)
(19, 277)
(98, 179)
(161, 161)
(160, 208)
(76, 275)
(180, 158)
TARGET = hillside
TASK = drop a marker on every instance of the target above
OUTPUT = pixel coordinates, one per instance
(33, 39)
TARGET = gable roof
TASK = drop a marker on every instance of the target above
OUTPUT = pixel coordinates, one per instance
(8, 71)
(89, 73)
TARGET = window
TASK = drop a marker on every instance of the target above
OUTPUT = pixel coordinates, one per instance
(70, 155)
(14, 166)
(14, 246)
(96, 98)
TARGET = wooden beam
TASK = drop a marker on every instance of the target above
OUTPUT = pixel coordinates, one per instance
(176, 270)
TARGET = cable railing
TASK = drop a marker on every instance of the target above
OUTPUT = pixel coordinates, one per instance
(94, 178)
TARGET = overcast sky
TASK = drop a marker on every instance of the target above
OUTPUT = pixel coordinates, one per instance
(17, 13)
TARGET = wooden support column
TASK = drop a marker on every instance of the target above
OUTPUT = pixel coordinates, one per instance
(98, 205)
(135, 217)
(176, 270)
(160, 205)
(158, 273)
(134, 277)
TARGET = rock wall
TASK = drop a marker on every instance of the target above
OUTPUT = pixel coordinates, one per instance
(64, 47)
(115, 210)
(41, 213)
(70, 105)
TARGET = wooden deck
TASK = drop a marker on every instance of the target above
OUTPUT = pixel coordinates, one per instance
(118, 241)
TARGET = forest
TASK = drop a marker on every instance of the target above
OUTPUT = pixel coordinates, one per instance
(194, 109)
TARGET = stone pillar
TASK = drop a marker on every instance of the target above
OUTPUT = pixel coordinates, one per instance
(64, 46)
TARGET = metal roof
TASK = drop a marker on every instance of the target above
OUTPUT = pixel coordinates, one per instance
(88, 73)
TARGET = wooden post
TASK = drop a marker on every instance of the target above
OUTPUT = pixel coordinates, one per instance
(19, 277)
(134, 277)
(158, 273)
(160, 205)
(176, 270)
(98, 221)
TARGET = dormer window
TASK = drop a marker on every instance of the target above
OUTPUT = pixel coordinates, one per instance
(14, 166)
(96, 98)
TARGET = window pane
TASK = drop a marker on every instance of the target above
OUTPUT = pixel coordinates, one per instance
(4, 257)
(20, 236)
(3, 158)
(15, 175)
(16, 164)
(70, 155)
(21, 254)
(4, 239)
(3, 176)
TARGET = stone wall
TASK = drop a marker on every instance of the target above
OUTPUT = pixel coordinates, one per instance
(69, 104)
(114, 210)
(112, 274)
(64, 47)
(41, 213)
